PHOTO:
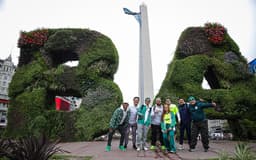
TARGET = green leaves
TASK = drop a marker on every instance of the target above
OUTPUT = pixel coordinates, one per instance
(223, 66)
(29, 148)
(243, 152)
(223, 155)
(42, 75)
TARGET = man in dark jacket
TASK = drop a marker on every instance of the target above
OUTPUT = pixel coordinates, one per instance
(199, 122)
(185, 123)
(119, 121)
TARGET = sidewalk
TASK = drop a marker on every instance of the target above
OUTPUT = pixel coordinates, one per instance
(215, 148)
(96, 149)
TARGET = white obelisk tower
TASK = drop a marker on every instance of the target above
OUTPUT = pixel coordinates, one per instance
(145, 66)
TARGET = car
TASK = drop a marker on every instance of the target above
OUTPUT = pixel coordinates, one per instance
(217, 135)
(228, 135)
(3, 120)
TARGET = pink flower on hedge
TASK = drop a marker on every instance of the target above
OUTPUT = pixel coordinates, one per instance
(35, 38)
(215, 33)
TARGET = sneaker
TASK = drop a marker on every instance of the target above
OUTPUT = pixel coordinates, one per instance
(172, 151)
(138, 148)
(163, 147)
(191, 150)
(108, 149)
(145, 148)
(122, 148)
(181, 147)
(152, 147)
(134, 147)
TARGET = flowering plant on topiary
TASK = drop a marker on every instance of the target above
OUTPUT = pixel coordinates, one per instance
(35, 38)
(215, 33)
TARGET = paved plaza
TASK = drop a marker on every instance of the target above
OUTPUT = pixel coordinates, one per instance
(96, 149)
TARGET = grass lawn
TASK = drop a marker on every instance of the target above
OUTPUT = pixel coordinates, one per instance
(67, 157)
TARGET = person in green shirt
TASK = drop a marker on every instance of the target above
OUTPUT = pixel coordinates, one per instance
(173, 108)
(144, 121)
(167, 125)
(199, 122)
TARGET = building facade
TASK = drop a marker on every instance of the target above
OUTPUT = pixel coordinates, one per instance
(7, 70)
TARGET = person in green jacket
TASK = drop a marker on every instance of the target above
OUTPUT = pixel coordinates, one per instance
(119, 121)
(144, 121)
(167, 126)
(199, 122)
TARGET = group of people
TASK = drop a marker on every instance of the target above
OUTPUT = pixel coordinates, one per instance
(163, 120)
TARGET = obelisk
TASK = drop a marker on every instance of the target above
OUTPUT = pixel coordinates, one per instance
(145, 65)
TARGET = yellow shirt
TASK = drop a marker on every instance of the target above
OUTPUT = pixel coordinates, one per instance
(167, 118)
(174, 109)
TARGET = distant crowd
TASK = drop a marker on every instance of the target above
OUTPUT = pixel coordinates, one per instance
(163, 120)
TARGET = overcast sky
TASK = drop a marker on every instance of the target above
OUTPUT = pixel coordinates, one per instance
(167, 19)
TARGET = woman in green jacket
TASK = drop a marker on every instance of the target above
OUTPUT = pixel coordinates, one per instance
(167, 126)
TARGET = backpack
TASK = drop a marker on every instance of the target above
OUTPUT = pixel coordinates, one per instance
(141, 108)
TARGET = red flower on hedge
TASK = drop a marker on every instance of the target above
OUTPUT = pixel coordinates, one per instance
(215, 33)
(35, 38)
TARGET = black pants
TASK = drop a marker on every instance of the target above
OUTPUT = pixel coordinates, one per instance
(121, 129)
(156, 134)
(185, 127)
(202, 128)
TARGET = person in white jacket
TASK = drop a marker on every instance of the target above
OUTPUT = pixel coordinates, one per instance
(132, 123)
(156, 117)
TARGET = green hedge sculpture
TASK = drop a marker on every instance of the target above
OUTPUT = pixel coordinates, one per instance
(211, 53)
(41, 75)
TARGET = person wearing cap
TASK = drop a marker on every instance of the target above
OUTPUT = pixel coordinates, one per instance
(156, 132)
(119, 121)
(199, 122)
(132, 123)
(144, 121)
(185, 122)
